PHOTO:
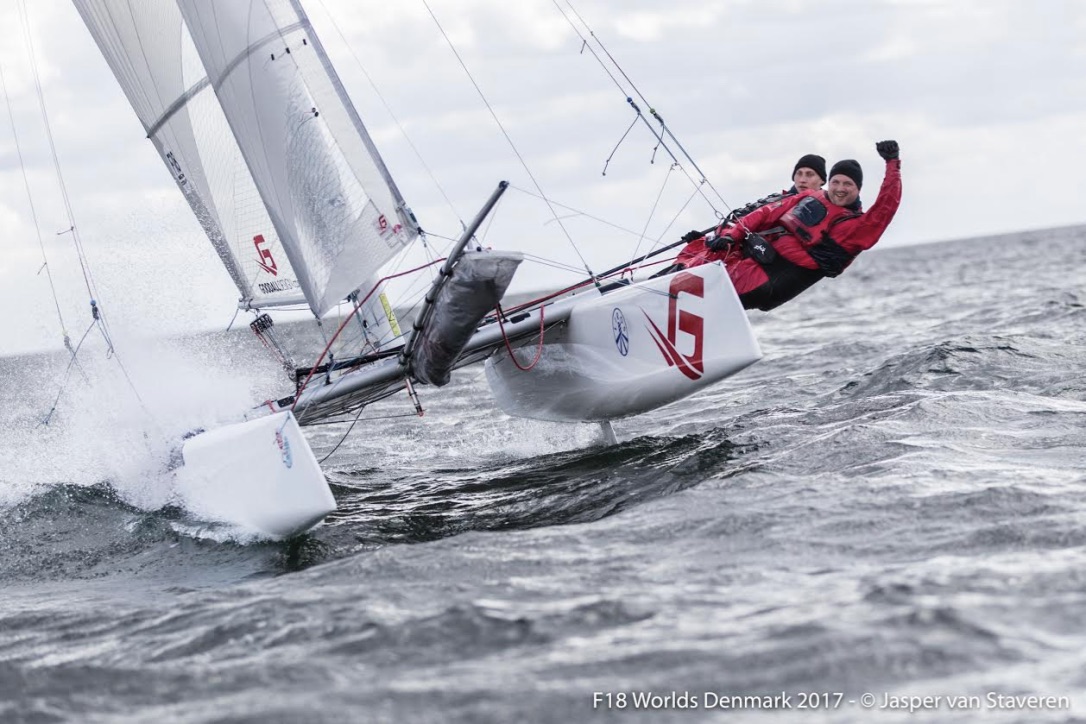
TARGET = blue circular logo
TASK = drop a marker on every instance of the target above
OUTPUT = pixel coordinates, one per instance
(620, 332)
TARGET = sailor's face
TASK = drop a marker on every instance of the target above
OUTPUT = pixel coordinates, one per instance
(806, 179)
(842, 191)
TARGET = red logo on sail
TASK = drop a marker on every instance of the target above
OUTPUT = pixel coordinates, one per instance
(384, 230)
(680, 320)
(265, 260)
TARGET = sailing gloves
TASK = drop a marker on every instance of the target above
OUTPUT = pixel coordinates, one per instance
(717, 243)
(887, 149)
(691, 236)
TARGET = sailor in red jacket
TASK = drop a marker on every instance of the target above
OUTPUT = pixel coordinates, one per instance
(781, 249)
(808, 174)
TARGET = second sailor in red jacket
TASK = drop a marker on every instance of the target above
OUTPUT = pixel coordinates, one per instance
(781, 249)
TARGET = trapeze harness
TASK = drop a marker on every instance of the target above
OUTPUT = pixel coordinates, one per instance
(807, 220)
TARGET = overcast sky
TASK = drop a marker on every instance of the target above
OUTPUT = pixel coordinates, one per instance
(986, 97)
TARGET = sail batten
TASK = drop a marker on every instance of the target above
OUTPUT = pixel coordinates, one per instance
(244, 55)
(178, 105)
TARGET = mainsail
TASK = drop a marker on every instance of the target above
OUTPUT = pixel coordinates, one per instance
(249, 116)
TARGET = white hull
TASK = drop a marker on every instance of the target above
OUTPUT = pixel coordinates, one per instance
(630, 351)
(260, 475)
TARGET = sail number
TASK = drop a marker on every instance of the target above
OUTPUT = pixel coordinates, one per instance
(172, 161)
(385, 230)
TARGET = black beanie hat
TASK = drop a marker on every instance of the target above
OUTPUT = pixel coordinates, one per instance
(814, 162)
(849, 168)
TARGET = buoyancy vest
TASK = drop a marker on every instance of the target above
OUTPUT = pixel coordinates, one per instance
(810, 222)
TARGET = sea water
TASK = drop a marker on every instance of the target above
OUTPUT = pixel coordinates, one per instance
(883, 520)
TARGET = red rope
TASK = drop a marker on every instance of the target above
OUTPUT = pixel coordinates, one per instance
(588, 282)
(357, 306)
(509, 347)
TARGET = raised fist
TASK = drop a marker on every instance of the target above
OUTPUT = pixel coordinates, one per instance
(887, 149)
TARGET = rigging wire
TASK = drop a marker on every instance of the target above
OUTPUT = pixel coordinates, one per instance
(411, 296)
(34, 215)
(416, 290)
(443, 238)
(544, 261)
(346, 434)
(657, 116)
(365, 419)
(67, 375)
(508, 138)
(652, 211)
(489, 222)
(652, 249)
(237, 310)
(576, 211)
(98, 316)
(28, 35)
(614, 150)
(631, 232)
(585, 44)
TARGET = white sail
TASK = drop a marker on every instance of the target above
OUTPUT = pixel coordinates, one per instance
(152, 56)
(256, 129)
(337, 212)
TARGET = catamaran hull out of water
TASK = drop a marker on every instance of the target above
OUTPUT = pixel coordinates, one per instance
(260, 474)
(629, 351)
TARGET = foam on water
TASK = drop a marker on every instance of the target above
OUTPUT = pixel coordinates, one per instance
(117, 424)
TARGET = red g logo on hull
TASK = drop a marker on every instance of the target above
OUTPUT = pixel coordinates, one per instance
(685, 322)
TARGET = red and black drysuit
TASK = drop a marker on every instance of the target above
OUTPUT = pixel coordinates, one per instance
(811, 237)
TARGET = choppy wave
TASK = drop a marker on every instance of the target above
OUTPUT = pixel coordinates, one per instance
(892, 501)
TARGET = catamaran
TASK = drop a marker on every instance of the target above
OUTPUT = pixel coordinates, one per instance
(247, 113)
